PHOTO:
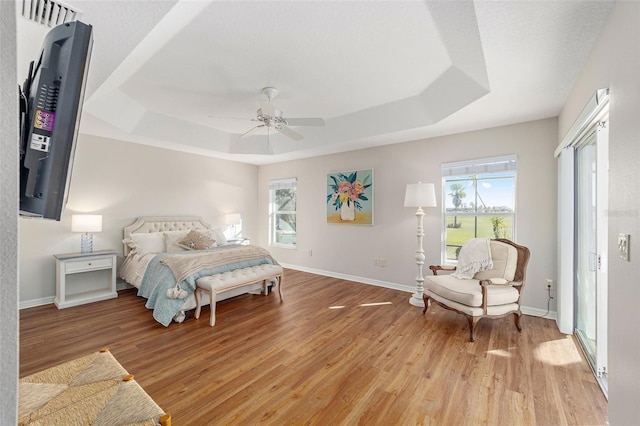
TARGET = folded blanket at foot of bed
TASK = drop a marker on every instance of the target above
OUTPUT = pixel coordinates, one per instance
(161, 273)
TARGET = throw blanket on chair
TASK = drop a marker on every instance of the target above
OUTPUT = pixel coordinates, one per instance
(475, 256)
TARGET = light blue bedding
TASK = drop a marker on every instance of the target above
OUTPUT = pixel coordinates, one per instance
(158, 278)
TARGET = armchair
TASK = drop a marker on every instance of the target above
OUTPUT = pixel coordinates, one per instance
(491, 293)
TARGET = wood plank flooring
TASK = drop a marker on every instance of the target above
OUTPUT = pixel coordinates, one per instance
(334, 353)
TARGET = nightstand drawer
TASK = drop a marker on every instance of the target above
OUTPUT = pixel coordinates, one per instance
(88, 264)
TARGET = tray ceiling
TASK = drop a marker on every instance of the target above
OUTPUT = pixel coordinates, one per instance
(187, 75)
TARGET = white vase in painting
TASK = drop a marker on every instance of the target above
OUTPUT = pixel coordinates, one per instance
(348, 211)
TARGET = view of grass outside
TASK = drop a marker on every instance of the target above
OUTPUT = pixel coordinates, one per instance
(478, 206)
(468, 228)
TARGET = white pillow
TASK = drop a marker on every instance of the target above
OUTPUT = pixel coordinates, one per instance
(171, 239)
(219, 237)
(152, 242)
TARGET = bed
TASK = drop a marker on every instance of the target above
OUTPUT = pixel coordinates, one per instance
(159, 249)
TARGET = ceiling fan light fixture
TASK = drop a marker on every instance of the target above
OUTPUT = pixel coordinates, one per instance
(270, 117)
(270, 92)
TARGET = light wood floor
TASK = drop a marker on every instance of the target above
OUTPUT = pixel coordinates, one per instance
(335, 352)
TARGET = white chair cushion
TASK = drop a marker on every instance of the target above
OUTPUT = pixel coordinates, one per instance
(472, 310)
(505, 260)
(469, 292)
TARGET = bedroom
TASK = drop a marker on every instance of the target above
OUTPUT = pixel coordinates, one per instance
(103, 165)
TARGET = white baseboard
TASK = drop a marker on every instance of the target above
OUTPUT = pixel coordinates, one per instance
(402, 287)
(36, 302)
(363, 280)
(120, 285)
(552, 315)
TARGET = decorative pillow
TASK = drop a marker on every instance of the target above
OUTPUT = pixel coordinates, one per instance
(197, 241)
(145, 243)
(171, 239)
(129, 242)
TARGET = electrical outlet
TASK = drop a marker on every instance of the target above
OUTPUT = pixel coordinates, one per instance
(549, 284)
(382, 262)
(310, 253)
(623, 246)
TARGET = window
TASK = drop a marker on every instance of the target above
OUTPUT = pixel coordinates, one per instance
(479, 201)
(282, 212)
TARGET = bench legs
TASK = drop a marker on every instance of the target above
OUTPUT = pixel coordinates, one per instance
(212, 297)
(278, 283)
(280, 286)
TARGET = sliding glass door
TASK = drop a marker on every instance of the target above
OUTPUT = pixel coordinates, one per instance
(591, 246)
(587, 252)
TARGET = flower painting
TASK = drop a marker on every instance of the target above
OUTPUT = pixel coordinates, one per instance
(350, 197)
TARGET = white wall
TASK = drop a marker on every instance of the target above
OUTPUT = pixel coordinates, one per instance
(615, 63)
(122, 181)
(350, 250)
(8, 216)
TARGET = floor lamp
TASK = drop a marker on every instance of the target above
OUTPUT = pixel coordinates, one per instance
(419, 195)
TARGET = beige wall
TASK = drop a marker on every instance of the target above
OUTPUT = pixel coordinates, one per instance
(121, 181)
(615, 63)
(350, 250)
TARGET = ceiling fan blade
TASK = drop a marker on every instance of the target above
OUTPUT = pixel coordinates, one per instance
(251, 131)
(305, 121)
(290, 133)
(226, 118)
(267, 108)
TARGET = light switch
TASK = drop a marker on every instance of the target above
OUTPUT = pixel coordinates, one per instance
(623, 246)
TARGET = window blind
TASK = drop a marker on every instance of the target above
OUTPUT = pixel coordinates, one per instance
(283, 183)
(476, 167)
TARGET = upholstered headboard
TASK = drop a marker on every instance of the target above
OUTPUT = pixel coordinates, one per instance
(163, 223)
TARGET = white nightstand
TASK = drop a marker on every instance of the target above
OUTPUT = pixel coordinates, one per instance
(84, 263)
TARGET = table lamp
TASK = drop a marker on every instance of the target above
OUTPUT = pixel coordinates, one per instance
(87, 224)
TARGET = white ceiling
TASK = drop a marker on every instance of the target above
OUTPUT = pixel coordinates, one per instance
(187, 75)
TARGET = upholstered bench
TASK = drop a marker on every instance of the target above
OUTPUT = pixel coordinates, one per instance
(218, 283)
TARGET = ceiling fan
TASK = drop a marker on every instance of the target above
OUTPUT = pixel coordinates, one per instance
(270, 117)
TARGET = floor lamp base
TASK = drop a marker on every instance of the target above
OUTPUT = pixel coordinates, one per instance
(416, 300)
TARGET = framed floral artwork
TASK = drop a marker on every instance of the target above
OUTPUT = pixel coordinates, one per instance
(350, 197)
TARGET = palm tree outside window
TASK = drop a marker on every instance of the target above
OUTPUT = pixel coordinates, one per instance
(479, 201)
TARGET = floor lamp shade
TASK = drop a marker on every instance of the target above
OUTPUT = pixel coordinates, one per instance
(87, 224)
(420, 195)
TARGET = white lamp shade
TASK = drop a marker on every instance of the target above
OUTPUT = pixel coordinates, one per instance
(420, 195)
(233, 219)
(86, 223)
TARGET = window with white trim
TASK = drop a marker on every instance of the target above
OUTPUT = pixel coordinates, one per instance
(282, 212)
(479, 202)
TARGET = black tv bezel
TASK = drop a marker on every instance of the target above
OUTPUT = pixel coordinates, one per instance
(46, 170)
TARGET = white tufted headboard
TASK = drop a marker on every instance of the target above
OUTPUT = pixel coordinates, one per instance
(163, 223)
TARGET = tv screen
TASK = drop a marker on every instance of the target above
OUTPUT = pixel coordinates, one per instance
(51, 103)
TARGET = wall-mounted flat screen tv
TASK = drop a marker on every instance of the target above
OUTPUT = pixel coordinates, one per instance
(50, 104)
